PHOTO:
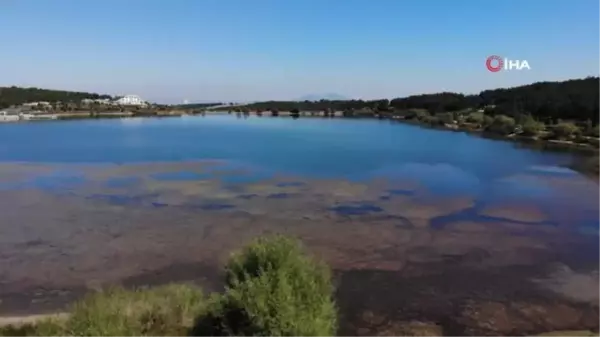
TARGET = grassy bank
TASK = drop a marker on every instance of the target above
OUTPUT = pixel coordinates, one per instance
(272, 288)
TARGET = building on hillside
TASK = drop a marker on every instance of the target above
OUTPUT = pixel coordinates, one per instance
(37, 104)
(96, 101)
(130, 100)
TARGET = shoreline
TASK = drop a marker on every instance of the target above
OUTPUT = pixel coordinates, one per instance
(588, 168)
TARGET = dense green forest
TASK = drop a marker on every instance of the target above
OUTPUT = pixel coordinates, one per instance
(545, 101)
(10, 96)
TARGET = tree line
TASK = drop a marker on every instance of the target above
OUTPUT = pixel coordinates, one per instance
(197, 105)
(10, 96)
(547, 102)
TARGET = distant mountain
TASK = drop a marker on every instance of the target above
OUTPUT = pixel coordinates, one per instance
(318, 97)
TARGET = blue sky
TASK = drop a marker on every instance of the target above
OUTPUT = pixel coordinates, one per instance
(239, 50)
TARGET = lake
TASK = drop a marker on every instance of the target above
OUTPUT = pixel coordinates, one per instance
(440, 228)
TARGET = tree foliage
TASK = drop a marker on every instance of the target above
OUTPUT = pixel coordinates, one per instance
(564, 130)
(503, 125)
(10, 96)
(274, 289)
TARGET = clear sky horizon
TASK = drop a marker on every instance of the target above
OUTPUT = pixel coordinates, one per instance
(168, 51)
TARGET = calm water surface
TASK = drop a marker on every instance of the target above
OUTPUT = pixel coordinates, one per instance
(307, 146)
(445, 162)
(437, 226)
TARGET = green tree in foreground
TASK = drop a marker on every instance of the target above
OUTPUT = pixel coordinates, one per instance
(274, 289)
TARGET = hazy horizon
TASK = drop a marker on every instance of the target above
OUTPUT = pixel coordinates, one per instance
(228, 50)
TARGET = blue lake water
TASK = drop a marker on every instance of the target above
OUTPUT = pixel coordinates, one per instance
(306, 146)
(475, 202)
(446, 163)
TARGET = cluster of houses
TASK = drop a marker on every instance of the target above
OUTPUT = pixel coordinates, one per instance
(128, 100)
(36, 110)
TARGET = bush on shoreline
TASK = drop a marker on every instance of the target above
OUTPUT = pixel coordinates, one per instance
(272, 289)
(565, 130)
(532, 127)
(502, 124)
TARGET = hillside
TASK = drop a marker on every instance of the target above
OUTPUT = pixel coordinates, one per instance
(15, 95)
(196, 105)
(575, 99)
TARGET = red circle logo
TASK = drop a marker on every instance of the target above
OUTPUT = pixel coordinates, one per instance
(489, 63)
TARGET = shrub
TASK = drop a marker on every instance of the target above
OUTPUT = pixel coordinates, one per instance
(564, 130)
(532, 127)
(417, 114)
(445, 117)
(273, 289)
(502, 124)
(475, 117)
(487, 120)
(432, 120)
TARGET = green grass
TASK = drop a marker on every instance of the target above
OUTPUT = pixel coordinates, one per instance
(164, 310)
(272, 288)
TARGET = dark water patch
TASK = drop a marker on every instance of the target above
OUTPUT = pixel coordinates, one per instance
(121, 199)
(447, 294)
(180, 176)
(247, 196)
(159, 204)
(291, 184)
(211, 206)
(122, 182)
(32, 243)
(472, 214)
(590, 227)
(385, 197)
(279, 196)
(398, 220)
(356, 209)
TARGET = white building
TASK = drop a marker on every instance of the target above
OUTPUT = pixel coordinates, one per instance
(37, 104)
(130, 100)
(10, 115)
